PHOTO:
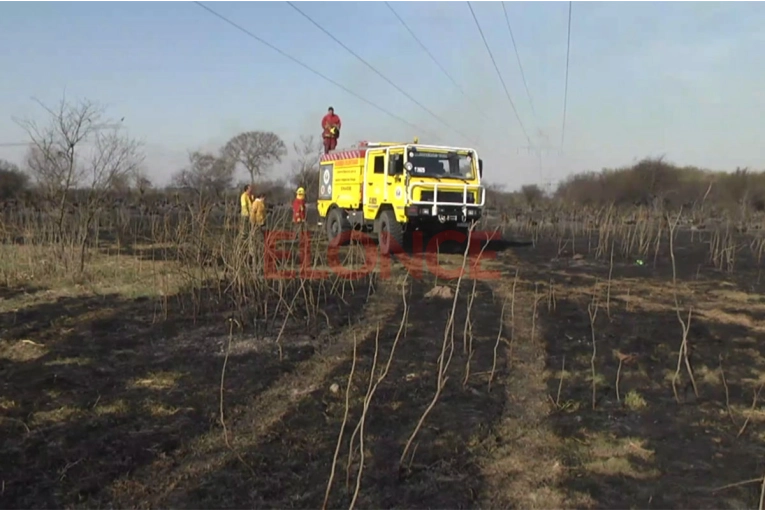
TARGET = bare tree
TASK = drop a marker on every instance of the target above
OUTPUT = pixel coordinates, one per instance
(206, 174)
(496, 196)
(142, 183)
(532, 193)
(257, 151)
(79, 148)
(305, 167)
(121, 184)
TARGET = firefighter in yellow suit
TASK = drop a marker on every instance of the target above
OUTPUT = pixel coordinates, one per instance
(258, 223)
(245, 202)
(258, 212)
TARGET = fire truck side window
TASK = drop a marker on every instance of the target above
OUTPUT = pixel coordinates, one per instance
(379, 164)
(396, 166)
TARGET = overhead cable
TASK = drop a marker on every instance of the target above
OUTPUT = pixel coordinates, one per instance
(371, 67)
(565, 87)
(518, 58)
(496, 68)
(312, 70)
(433, 58)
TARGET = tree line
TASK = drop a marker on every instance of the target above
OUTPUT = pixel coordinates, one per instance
(653, 183)
(79, 152)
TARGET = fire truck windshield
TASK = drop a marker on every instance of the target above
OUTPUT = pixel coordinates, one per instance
(435, 164)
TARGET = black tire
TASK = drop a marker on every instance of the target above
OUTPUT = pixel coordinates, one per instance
(338, 227)
(391, 233)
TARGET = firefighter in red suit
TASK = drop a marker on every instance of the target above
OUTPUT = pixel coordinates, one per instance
(330, 126)
(298, 208)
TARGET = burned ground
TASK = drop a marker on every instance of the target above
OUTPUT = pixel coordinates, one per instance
(641, 446)
(95, 388)
(114, 391)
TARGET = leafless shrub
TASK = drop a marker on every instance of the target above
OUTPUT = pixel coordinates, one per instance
(443, 359)
(305, 168)
(592, 311)
(682, 356)
(76, 148)
(207, 175)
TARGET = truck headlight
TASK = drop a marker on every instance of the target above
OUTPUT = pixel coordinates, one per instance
(408, 165)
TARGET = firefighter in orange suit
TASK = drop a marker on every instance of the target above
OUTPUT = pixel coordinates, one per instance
(330, 125)
(298, 207)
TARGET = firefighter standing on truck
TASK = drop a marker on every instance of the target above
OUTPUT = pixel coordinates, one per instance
(330, 125)
(298, 208)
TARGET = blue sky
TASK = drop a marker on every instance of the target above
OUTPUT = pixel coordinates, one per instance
(682, 79)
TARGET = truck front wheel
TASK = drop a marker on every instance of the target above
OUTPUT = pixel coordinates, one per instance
(391, 233)
(337, 227)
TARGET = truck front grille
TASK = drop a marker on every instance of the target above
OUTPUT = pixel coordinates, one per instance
(453, 197)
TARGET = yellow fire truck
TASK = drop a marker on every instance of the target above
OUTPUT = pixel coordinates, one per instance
(393, 189)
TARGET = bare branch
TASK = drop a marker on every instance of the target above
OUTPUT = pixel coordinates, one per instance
(59, 161)
(257, 151)
(206, 173)
(305, 171)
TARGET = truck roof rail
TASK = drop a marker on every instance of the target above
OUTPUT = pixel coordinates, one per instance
(368, 144)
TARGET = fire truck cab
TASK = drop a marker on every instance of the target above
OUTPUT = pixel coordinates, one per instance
(393, 189)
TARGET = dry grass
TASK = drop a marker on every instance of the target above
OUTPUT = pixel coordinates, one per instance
(114, 392)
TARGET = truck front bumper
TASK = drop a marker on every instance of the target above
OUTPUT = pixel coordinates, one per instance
(444, 213)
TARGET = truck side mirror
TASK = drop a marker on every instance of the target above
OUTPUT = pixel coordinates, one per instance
(480, 168)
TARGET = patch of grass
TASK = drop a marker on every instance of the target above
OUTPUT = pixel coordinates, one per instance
(56, 416)
(157, 381)
(634, 401)
(126, 275)
(21, 350)
(118, 407)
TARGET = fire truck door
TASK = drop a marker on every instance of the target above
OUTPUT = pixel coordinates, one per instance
(374, 182)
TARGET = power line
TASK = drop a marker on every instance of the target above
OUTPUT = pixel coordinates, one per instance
(539, 151)
(435, 61)
(512, 104)
(312, 70)
(520, 66)
(370, 66)
(565, 89)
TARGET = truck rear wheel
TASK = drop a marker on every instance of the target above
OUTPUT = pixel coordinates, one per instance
(391, 233)
(337, 227)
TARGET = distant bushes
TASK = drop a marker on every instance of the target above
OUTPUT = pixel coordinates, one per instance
(650, 183)
(654, 182)
(13, 182)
